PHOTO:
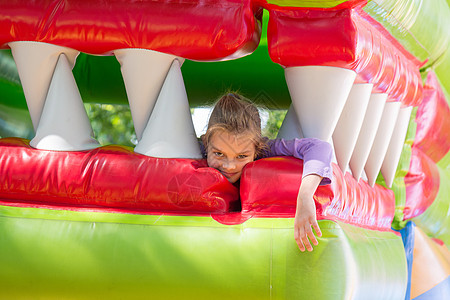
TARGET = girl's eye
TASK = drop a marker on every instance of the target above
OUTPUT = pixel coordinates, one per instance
(242, 156)
(218, 154)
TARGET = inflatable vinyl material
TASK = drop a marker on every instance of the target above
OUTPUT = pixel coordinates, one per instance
(431, 268)
(199, 30)
(53, 242)
(431, 144)
(36, 64)
(265, 192)
(64, 124)
(143, 72)
(422, 184)
(217, 30)
(112, 176)
(296, 38)
(433, 122)
(92, 255)
(309, 87)
(427, 24)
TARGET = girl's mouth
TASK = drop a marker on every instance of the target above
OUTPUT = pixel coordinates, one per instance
(228, 174)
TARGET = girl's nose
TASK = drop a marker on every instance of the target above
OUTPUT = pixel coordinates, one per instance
(229, 165)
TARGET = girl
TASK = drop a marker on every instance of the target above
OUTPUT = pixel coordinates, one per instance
(233, 139)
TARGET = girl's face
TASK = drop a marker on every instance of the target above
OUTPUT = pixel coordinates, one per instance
(229, 153)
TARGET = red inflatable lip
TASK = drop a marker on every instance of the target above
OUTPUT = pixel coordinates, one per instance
(198, 30)
(115, 179)
(421, 183)
(345, 38)
(223, 29)
(266, 193)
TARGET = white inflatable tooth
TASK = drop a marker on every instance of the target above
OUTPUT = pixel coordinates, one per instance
(347, 129)
(381, 142)
(318, 94)
(170, 132)
(64, 124)
(143, 73)
(390, 162)
(36, 62)
(290, 128)
(367, 134)
(333, 157)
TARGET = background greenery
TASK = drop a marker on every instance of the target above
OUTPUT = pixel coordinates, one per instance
(112, 124)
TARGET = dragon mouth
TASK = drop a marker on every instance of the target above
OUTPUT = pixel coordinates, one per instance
(349, 81)
(117, 222)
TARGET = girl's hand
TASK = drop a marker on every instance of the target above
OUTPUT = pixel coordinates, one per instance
(305, 215)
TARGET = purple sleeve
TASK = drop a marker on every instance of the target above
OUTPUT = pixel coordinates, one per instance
(316, 155)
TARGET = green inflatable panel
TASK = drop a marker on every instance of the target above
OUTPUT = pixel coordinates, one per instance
(63, 254)
(435, 220)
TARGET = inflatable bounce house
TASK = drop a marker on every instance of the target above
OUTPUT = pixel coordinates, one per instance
(79, 220)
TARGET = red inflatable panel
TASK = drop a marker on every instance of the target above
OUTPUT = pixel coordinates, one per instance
(112, 176)
(422, 184)
(433, 123)
(194, 29)
(346, 38)
(269, 187)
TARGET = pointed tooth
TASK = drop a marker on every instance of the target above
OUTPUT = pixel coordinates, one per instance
(367, 134)
(143, 73)
(290, 128)
(390, 162)
(333, 154)
(381, 142)
(347, 129)
(35, 63)
(170, 132)
(318, 94)
(64, 124)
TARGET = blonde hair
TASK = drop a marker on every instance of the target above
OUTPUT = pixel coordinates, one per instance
(237, 115)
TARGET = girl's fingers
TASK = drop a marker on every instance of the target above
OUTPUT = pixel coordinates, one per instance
(317, 228)
(304, 235)
(300, 245)
(312, 237)
(305, 241)
(298, 238)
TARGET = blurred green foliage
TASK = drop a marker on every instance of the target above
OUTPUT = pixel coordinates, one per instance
(274, 122)
(112, 124)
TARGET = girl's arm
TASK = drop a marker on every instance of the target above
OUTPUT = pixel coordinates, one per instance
(305, 214)
(316, 156)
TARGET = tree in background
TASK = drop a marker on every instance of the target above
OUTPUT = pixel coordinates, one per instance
(274, 122)
(112, 124)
